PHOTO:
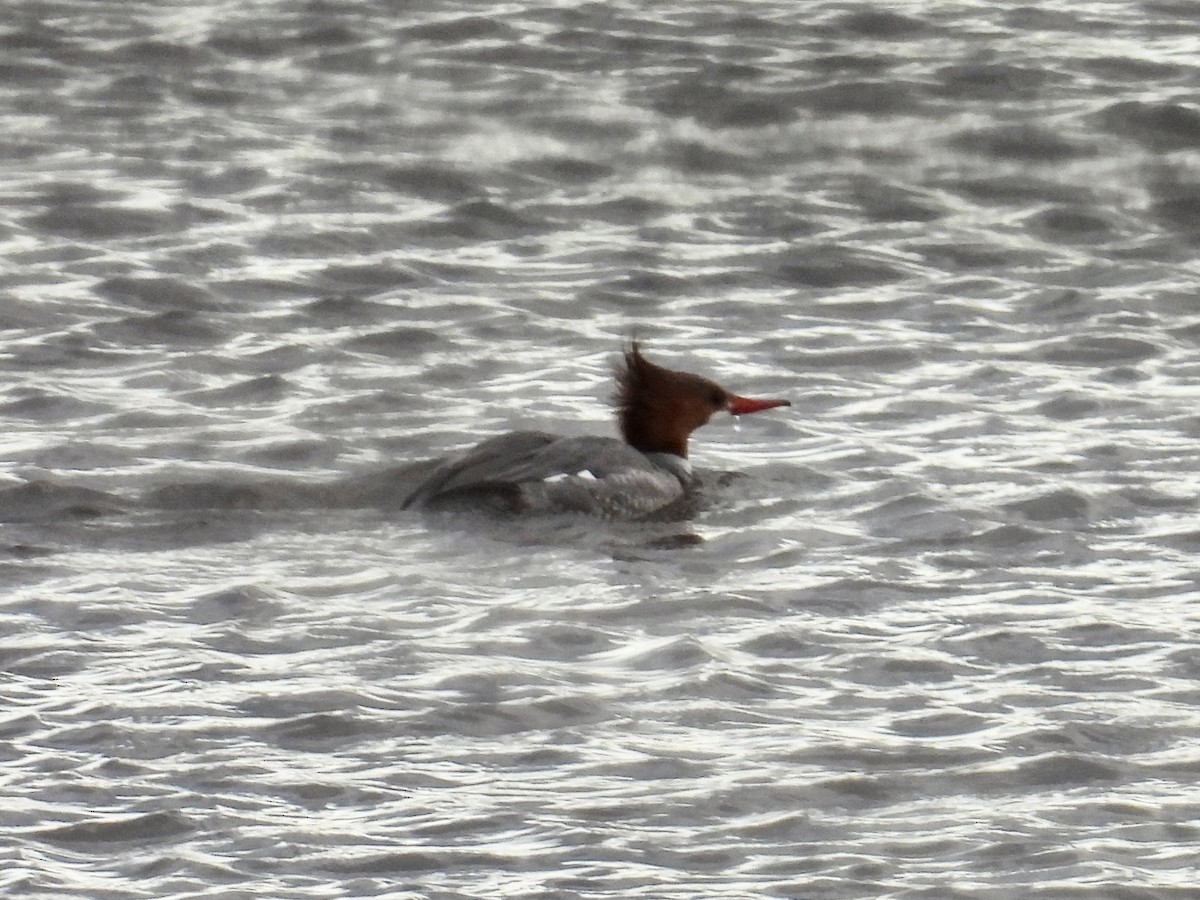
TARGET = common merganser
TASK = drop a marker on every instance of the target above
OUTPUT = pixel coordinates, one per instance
(537, 472)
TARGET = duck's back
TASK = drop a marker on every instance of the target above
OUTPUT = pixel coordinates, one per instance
(533, 471)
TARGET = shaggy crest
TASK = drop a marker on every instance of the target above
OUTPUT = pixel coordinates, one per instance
(657, 408)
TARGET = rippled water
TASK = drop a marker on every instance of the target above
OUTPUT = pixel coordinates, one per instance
(936, 639)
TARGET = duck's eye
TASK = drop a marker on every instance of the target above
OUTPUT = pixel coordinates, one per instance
(717, 399)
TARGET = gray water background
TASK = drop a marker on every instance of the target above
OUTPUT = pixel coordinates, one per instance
(937, 640)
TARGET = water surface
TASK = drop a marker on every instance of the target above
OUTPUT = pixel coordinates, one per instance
(936, 639)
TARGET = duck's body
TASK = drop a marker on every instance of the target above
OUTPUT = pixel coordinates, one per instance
(631, 478)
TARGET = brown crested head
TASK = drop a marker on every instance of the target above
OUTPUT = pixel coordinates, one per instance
(658, 409)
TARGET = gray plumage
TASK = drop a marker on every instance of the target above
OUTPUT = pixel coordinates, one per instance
(533, 472)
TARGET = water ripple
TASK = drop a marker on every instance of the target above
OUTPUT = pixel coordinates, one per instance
(928, 632)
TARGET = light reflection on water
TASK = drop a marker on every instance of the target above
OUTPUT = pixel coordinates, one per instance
(936, 634)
